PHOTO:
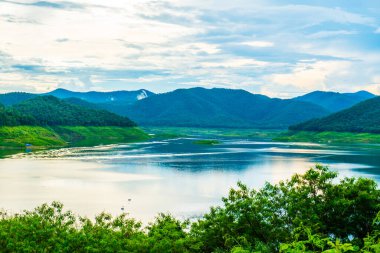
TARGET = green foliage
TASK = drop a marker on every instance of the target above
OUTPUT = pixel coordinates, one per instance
(270, 216)
(361, 118)
(313, 212)
(167, 235)
(10, 117)
(316, 243)
(50, 229)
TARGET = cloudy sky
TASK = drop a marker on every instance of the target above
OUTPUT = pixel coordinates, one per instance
(280, 48)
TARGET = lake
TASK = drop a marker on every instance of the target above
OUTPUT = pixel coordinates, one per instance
(175, 176)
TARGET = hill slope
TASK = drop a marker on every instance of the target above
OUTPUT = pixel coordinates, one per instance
(51, 111)
(335, 101)
(363, 117)
(199, 107)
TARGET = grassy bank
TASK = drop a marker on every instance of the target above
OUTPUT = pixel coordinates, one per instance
(91, 136)
(18, 136)
(41, 137)
(329, 137)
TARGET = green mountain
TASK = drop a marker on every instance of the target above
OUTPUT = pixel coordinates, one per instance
(363, 117)
(335, 101)
(199, 107)
(51, 111)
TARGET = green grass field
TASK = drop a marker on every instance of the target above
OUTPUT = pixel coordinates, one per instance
(37, 136)
(329, 137)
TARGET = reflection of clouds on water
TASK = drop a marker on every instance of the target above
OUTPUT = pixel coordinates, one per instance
(176, 176)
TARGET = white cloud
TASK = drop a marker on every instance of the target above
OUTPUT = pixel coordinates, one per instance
(197, 42)
(373, 86)
(236, 63)
(311, 76)
(258, 43)
(16, 82)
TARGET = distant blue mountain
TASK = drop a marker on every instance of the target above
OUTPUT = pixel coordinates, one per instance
(13, 98)
(120, 97)
(335, 101)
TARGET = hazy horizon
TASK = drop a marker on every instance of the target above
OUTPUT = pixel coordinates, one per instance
(121, 90)
(279, 48)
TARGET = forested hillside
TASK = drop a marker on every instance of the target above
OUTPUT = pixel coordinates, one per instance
(11, 117)
(51, 111)
(363, 117)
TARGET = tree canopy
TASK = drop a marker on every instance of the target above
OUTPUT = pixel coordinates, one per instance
(11, 117)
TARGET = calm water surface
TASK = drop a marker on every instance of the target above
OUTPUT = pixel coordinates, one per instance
(173, 176)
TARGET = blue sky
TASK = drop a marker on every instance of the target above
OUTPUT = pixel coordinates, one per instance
(278, 48)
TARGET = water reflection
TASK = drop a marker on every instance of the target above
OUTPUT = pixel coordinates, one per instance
(176, 175)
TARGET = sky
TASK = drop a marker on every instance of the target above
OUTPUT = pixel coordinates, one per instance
(280, 48)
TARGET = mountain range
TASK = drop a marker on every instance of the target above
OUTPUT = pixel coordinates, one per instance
(335, 101)
(113, 97)
(200, 107)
